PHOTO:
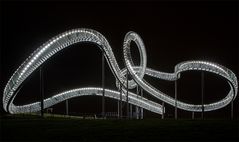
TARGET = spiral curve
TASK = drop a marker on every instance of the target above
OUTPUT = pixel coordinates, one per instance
(61, 41)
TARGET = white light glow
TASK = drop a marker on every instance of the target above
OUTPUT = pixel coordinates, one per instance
(50, 48)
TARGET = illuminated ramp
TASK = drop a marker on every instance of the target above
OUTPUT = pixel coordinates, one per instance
(64, 40)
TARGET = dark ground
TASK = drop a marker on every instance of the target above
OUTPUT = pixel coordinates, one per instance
(33, 128)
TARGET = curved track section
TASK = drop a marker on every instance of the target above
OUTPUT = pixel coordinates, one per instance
(133, 99)
(47, 50)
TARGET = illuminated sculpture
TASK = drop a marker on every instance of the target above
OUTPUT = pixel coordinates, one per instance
(59, 42)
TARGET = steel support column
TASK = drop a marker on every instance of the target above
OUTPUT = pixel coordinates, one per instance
(141, 109)
(163, 110)
(202, 93)
(136, 107)
(42, 91)
(118, 109)
(103, 85)
(176, 109)
(120, 101)
(232, 110)
(127, 94)
(67, 108)
(131, 111)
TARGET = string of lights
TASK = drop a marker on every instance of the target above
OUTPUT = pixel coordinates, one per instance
(64, 40)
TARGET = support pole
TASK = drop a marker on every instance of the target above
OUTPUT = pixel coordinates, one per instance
(163, 110)
(232, 110)
(137, 108)
(42, 91)
(118, 106)
(118, 109)
(131, 110)
(103, 85)
(193, 115)
(141, 109)
(176, 91)
(120, 101)
(202, 93)
(127, 93)
(67, 108)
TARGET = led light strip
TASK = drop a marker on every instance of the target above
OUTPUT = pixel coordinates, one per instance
(59, 42)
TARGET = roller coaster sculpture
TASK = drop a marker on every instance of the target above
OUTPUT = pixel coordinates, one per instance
(61, 41)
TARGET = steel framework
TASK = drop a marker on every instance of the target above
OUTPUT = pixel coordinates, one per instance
(61, 41)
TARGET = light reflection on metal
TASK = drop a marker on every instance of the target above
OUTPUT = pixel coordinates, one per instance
(59, 42)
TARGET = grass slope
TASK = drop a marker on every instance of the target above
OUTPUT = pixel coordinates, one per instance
(33, 128)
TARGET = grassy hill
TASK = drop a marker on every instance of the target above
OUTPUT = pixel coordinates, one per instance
(34, 128)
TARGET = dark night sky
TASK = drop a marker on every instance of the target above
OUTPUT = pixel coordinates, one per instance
(172, 32)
